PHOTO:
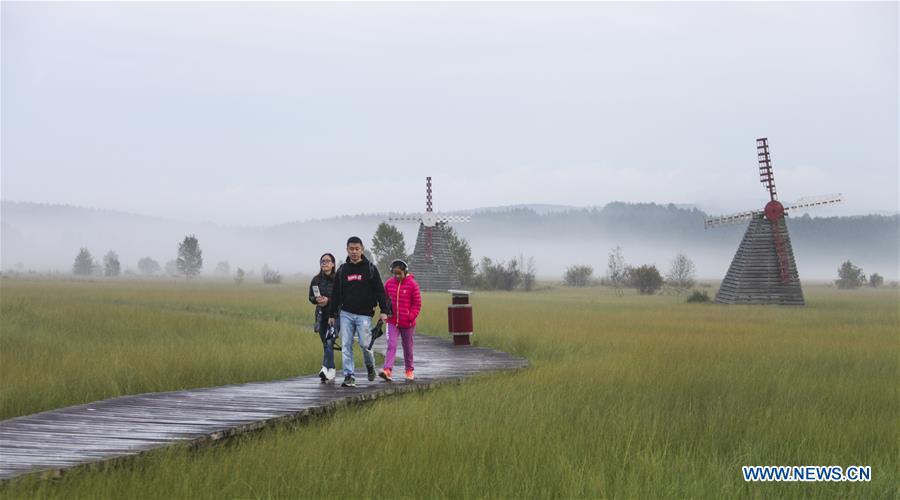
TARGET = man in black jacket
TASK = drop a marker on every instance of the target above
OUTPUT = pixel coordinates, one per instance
(357, 289)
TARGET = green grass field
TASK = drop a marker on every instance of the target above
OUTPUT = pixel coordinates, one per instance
(627, 396)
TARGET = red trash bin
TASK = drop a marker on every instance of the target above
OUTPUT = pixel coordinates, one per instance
(459, 317)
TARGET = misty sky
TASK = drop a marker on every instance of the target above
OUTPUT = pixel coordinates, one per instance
(242, 113)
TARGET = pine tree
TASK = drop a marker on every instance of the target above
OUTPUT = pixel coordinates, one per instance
(462, 257)
(387, 245)
(84, 263)
(190, 257)
(111, 266)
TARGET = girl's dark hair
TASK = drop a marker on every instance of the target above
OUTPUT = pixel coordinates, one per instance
(401, 264)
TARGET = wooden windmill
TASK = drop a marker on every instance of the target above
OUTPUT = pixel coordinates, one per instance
(432, 260)
(763, 270)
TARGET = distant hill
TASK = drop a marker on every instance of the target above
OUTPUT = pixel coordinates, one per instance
(47, 237)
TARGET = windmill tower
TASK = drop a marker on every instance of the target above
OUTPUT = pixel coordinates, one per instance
(763, 270)
(432, 260)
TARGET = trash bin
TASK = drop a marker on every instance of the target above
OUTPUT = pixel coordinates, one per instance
(459, 317)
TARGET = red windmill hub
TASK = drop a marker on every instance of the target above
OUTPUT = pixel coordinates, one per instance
(774, 211)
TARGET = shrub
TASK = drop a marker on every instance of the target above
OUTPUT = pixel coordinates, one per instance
(646, 279)
(850, 277)
(499, 275)
(578, 276)
(876, 280)
(270, 276)
(698, 296)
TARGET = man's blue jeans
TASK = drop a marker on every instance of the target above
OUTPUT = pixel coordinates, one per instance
(359, 327)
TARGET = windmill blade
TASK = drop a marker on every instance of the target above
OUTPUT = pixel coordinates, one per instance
(415, 219)
(765, 166)
(445, 219)
(815, 201)
(729, 219)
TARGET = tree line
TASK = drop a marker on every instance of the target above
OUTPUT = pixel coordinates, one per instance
(188, 262)
(517, 273)
(645, 278)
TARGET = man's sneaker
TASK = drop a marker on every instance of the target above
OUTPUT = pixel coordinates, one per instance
(323, 374)
(371, 372)
(386, 374)
(349, 381)
(410, 375)
(330, 374)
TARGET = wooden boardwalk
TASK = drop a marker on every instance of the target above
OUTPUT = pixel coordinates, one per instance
(112, 429)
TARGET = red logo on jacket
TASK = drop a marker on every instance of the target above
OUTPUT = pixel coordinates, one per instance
(354, 277)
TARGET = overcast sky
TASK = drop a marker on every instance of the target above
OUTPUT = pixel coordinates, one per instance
(243, 113)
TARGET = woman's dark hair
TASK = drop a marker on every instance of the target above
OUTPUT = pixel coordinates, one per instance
(401, 264)
(326, 254)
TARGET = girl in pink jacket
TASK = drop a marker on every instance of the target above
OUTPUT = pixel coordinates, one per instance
(406, 301)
